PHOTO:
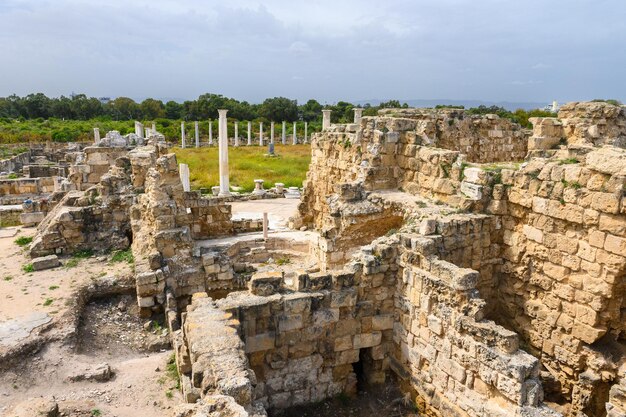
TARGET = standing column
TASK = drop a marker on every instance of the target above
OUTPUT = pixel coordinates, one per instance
(325, 119)
(197, 134)
(183, 171)
(306, 132)
(295, 138)
(182, 134)
(260, 133)
(223, 153)
(272, 132)
(96, 135)
(153, 128)
(284, 138)
(358, 113)
(236, 133)
(138, 129)
(210, 132)
(249, 133)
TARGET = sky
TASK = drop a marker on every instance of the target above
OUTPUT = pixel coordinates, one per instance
(493, 50)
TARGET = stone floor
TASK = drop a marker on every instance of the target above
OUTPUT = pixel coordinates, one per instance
(279, 211)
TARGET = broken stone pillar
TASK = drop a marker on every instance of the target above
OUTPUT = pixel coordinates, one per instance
(270, 149)
(272, 132)
(261, 134)
(182, 134)
(139, 129)
(258, 187)
(236, 133)
(265, 221)
(295, 138)
(210, 132)
(325, 119)
(197, 128)
(306, 132)
(153, 128)
(183, 170)
(249, 133)
(223, 154)
(284, 137)
(358, 113)
(280, 187)
(96, 135)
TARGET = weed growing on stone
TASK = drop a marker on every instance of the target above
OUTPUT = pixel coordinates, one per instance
(95, 412)
(28, 268)
(48, 302)
(568, 161)
(53, 287)
(23, 240)
(8, 278)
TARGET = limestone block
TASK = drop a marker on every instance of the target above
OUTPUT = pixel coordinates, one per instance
(266, 283)
(343, 298)
(365, 340)
(260, 342)
(45, 262)
(472, 191)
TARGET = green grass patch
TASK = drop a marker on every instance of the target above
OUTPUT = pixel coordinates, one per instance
(72, 263)
(23, 241)
(28, 268)
(172, 370)
(246, 164)
(48, 302)
(83, 254)
(8, 278)
(96, 413)
(123, 256)
(53, 287)
(569, 161)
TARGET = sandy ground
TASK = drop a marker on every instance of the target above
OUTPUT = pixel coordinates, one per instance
(279, 210)
(109, 332)
(22, 293)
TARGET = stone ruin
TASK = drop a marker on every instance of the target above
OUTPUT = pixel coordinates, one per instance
(478, 264)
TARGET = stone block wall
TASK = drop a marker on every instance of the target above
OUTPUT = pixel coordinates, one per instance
(27, 186)
(564, 253)
(15, 163)
(302, 338)
(91, 164)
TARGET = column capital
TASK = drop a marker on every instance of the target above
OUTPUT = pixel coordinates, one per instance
(222, 112)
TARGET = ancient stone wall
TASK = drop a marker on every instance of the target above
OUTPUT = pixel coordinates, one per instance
(15, 163)
(27, 186)
(91, 165)
(482, 139)
(301, 337)
(458, 362)
(562, 286)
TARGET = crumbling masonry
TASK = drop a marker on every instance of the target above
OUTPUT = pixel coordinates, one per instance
(480, 264)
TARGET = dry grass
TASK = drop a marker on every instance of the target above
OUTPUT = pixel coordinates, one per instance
(247, 163)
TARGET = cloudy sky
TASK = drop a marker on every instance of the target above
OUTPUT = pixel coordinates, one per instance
(495, 50)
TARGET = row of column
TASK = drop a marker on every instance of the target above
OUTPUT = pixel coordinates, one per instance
(224, 188)
(261, 137)
(144, 132)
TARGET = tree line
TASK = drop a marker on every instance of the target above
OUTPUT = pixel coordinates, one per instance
(81, 107)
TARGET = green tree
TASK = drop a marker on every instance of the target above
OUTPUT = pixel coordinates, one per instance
(152, 109)
(123, 108)
(311, 111)
(173, 110)
(279, 109)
